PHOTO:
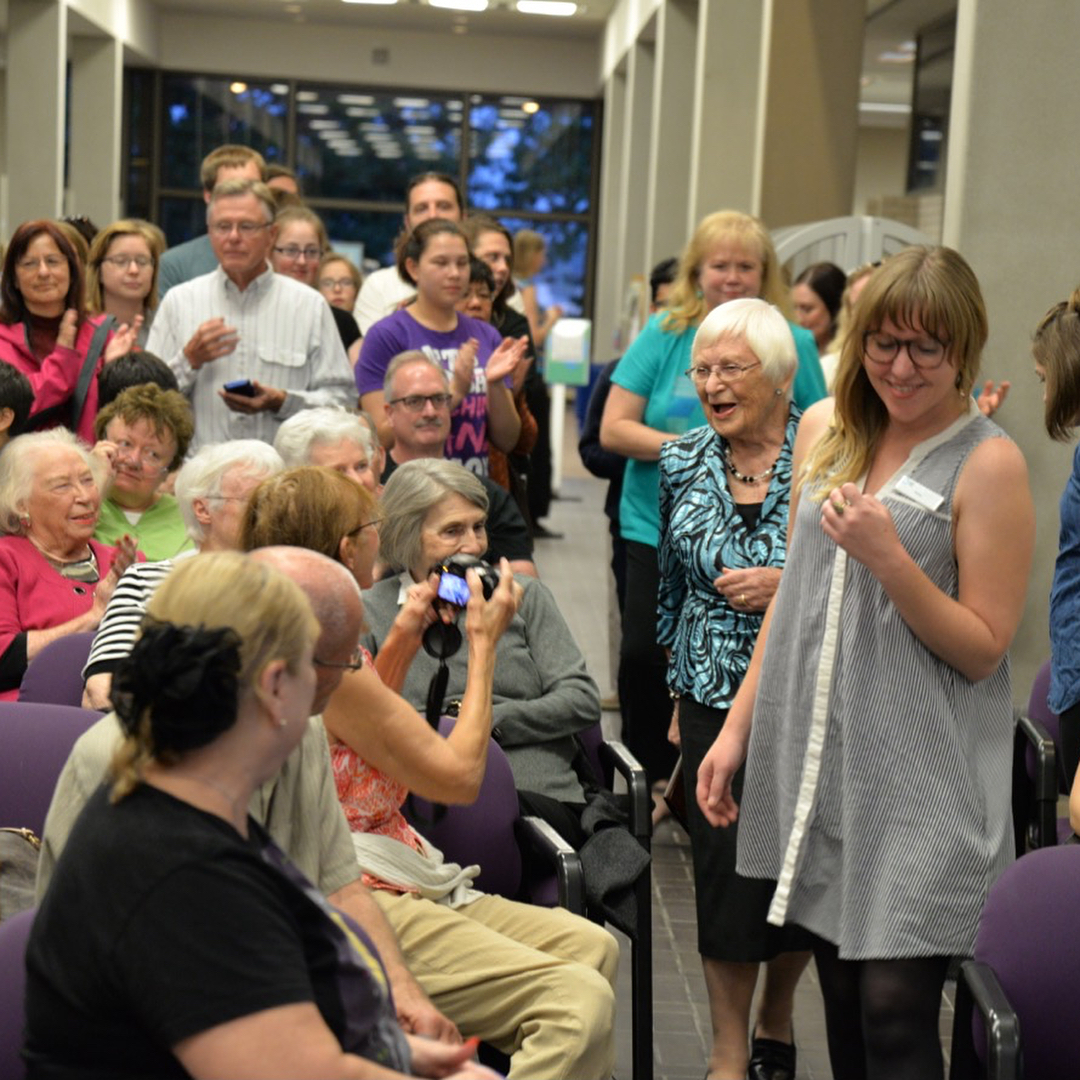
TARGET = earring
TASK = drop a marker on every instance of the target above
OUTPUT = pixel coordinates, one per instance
(778, 392)
(282, 721)
(24, 520)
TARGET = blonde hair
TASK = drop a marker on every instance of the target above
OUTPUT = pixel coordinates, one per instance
(686, 306)
(1056, 348)
(525, 245)
(165, 713)
(302, 215)
(930, 287)
(99, 250)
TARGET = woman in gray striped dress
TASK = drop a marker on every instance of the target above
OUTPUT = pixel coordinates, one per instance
(878, 760)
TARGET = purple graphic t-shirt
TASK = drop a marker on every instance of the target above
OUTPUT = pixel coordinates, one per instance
(399, 332)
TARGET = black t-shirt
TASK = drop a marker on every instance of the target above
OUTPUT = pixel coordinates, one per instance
(161, 922)
(508, 535)
(347, 326)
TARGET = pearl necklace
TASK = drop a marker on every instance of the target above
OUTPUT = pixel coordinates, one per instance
(729, 462)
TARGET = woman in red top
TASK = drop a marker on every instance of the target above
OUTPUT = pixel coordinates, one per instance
(45, 332)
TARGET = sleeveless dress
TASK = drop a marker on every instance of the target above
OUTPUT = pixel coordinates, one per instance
(878, 777)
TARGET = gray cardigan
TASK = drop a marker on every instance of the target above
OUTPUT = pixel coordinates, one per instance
(543, 694)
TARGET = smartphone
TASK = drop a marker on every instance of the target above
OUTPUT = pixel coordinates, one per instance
(453, 589)
(243, 387)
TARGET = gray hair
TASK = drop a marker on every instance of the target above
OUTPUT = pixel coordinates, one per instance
(404, 359)
(761, 325)
(323, 426)
(17, 470)
(412, 491)
(231, 189)
(203, 473)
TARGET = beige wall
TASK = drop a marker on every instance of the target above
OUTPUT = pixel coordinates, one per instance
(880, 164)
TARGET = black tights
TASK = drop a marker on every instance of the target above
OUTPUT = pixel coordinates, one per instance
(882, 1015)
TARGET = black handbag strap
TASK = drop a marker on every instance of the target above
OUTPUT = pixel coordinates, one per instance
(82, 387)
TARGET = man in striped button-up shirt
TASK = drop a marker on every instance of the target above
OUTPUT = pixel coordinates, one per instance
(244, 322)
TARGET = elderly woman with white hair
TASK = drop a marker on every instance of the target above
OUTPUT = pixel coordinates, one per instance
(724, 494)
(339, 439)
(55, 579)
(212, 491)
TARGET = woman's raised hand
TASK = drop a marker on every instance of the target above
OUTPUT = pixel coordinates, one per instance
(464, 365)
(65, 336)
(123, 340)
(505, 359)
(125, 556)
(490, 618)
(418, 612)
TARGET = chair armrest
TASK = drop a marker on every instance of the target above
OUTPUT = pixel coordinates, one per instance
(615, 755)
(542, 838)
(1045, 779)
(977, 987)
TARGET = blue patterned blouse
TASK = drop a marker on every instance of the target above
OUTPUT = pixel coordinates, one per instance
(701, 532)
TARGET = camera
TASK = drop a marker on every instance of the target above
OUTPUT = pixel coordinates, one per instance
(454, 589)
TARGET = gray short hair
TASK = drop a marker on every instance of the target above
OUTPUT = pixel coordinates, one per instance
(761, 325)
(17, 470)
(409, 496)
(404, 359)
(319, 427)
(202, 475)
(231, 189)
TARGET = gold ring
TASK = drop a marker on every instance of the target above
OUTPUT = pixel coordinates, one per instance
(742, 599)
(839, 508)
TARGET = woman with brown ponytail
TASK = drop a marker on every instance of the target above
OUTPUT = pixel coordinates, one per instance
(176, 938)
(1056, 351)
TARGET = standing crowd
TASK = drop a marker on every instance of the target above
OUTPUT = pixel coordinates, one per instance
(248, 472)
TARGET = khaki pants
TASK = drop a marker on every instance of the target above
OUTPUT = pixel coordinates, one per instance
(534, 982)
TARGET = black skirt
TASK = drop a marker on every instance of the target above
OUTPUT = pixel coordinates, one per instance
(731, 910)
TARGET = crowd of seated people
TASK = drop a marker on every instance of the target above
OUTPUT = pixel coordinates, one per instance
(163, 412)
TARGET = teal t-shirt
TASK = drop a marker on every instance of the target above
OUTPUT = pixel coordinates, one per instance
(653, 368)
(159, 533)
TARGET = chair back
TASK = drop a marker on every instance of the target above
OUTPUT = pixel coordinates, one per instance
(35, 741)
(482, 833)
(1038, 709)
(55, 674)
(1027, 934)
(14, 934)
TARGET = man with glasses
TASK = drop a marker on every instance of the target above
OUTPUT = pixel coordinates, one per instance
(429, 195)
(196, 257)
(249, 347)
(417, 393)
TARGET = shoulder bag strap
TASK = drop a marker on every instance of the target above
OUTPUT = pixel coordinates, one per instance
(82, 388)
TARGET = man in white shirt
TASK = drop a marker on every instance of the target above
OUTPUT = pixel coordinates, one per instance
(429, 195)
(272, 339)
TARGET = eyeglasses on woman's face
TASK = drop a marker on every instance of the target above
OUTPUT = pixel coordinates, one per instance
(294, 252)
(924, 352)
(122, 262)
(726, 373)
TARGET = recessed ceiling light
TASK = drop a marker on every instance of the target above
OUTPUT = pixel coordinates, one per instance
(460, 5)
(238, 87)
(530, 107)
(561, 8)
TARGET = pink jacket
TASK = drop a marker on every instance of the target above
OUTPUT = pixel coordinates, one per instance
(54, 379)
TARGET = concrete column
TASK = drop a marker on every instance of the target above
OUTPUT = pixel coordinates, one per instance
(1011, 211)
(666, 225)
(97, 100)
(808, 138)
(608, 271)
(726, 108)
(637, 155)
(35, 100)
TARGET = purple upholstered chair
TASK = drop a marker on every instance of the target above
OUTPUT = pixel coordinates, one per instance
(35, 741)
(55, 674)
(1025, 978)
(14, 933)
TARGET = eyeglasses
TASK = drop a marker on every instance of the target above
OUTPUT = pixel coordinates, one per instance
(415, 402)
(29, 264)
(122, 262)
(726, 373)
(293, 252)
(355, 664)
(330, 283)
(363, 525)
(244, 228)
(148, 460)
(924, 353)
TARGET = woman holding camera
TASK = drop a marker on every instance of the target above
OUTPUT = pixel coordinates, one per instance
(500, 970)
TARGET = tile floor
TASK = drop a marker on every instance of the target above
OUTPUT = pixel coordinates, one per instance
(576, 569)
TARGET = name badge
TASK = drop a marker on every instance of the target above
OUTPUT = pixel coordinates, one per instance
(918, 493)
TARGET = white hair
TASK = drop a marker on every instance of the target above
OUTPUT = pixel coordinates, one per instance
(202, 475)
(761, 325)
(17, 470)
(320, 427)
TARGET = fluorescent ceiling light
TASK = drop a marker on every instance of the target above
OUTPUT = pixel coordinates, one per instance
(561, 8)
(325, 125)
(530, 107)
(355, 99)
(238, 87)
(361, 110)
(306, 95)
(313, 110)
(279, 88)
(883, 107)
(460, 5)
(411, 102)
